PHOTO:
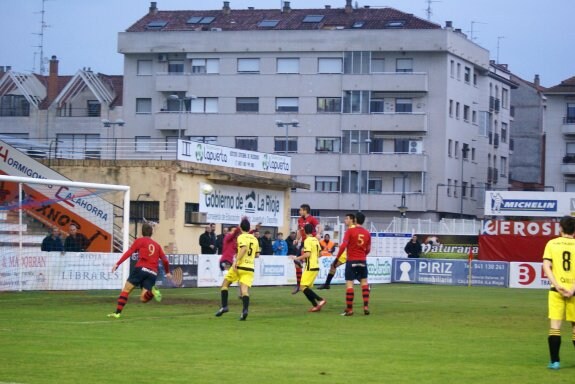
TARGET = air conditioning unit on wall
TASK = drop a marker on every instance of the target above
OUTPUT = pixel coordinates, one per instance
(162, 57)
(415, 146)
(199, 218)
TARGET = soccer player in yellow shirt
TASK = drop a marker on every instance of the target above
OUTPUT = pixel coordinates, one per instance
(242, 269)
(559, 266)
(311, 250)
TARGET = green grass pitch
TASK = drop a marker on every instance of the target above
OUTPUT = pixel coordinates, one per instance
(415, 334)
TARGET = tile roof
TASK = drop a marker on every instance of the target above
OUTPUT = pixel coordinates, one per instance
(566, 86)
(248, 19)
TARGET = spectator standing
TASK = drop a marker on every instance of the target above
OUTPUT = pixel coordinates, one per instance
(413, 248)
(292, 245)
(220, 240)
(208, 240)
(266, 245)
(75, 242)
(280, 246)
(53, 242)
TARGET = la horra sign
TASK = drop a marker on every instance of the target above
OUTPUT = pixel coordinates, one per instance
(530, 204)
(201, 153)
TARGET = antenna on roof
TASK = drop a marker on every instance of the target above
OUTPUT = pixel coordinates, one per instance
(43, 27)
(428, 10)
(497, 57)
(471, 35)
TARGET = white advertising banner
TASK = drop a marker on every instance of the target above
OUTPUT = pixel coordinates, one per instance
(527, 275)
(228, 204)
(201, 153)
(36, 270)
(536, 204)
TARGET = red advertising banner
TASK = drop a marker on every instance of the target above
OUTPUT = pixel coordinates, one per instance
(521, 228)
(512, 248)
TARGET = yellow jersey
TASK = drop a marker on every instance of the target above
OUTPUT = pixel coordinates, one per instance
(311, 245)
(561, 252)
(252, 249)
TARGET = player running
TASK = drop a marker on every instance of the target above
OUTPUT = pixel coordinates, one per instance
(242, 269)
(559, 268)
(349, 221)
(357, 241)
(145, 272)
(305, 218)
(311, 250)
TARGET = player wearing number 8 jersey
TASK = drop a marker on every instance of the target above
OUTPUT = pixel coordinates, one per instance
(357, 241)
(145, 271)
(242, 269)
(559, 266)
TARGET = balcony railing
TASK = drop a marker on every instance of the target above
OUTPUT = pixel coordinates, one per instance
(15, 112)
(569, 120)
(79, 112)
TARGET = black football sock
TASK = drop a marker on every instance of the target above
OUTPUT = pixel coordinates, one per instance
(310, 296)
(224, 293)
(246, 303)
(554, 341)
(329, 277)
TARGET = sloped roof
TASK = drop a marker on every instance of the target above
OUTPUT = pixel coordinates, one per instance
(566, 86)
(247, 20)
(26, 84)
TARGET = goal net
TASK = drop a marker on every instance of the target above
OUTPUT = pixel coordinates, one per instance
(61, 235)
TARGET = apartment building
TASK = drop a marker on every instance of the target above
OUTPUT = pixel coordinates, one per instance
(559, 127)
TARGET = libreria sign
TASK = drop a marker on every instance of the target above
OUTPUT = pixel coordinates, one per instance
(197, 152)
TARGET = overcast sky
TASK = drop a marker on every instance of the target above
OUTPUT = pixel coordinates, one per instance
(535, 37)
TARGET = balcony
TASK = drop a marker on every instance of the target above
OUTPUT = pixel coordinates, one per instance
(568, 166)
(494, 104)
(396, 162)
(496, 141)
(388, 82)
(568, 126)
(393, 122)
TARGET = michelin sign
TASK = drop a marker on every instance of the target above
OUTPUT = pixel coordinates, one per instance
(539, 204)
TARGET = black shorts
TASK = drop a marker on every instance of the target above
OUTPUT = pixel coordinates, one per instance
(143, 278)
(225, 265)
(355, 270)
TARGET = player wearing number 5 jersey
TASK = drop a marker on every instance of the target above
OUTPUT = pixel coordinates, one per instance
(145, 271)
(311, 251)
(242, 270)
(559, 266)
(357, 241)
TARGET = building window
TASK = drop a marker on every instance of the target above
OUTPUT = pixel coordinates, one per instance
(570, 117)
(503, 163)
(404, 65)
(403, 105)
(247, 104)
(140, 209)
(287, 104)
(143, 105)
(475, 79)
(472, 191)
(355, 101)
(466, 111)
(280, 144)
(472, 154)
(328, 144)
(356, 62)
(570, 187)
(455, 186)
(205, 139)
(457, 110)
(330, 65)
(450, 108)
(287, 65)
(78, 146)
(329, 104)
(448, 187)
(458, 71)
(204, 105)
(205, 66)
(176, 67)
(452, 68)
(504, 132)
(464, 189)
(504, 98)
(189, 209)
(449, 148)
(327, 184)
(377, 62)
(474, 117)
(456, 149)
(374, 185)
(401, 145)
(249, 65)
(14, 105)
(143, 143)
(144, 68)
(247, 142)
(94, 107)
(376, 103)
(467, 75)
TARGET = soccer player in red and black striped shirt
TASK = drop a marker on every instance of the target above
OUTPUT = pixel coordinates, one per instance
(145, 271)
(305, 218)
(357, 241)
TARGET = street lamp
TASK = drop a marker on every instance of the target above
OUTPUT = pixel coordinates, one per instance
(281, 124)
(464, 151)
(181, 100)
(403, 208)
(112, 124)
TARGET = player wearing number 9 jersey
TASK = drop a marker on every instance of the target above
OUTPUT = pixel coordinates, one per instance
(559, 266)
(145, 271)
(242, 270)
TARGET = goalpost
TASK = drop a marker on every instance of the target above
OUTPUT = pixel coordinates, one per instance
(32, 258)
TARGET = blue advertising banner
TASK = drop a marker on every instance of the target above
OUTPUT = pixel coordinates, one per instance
(450, 272)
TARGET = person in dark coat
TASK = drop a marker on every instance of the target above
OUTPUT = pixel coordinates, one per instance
(53, 242)
(413, 248)
(208, 240)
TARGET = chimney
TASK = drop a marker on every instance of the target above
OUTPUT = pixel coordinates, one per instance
(251, 8)
(286, 7)
(449, 25)
(328, 7)
(52, 91)
(348, 6)
(227, 10)
(537, 81)
(153, 8)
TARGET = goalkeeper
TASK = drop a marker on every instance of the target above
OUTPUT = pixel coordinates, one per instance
(145, 272)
